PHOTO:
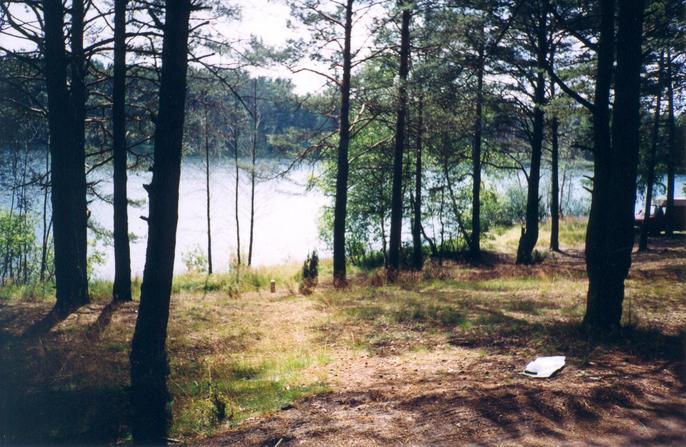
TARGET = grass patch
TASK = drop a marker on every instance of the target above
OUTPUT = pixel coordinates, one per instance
(248, 279)
(239, 355)
(428, 314)
(229, 359)
(505, 239)
(235, 358)
(234, 390)
(525, 306)
(394, 319)
(27, 292)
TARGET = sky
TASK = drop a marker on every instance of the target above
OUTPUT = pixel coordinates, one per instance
(265, 19)
(268, 21)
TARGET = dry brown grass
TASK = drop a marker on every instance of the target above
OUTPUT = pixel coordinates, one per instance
(437, 361)
(229, 359)
(434, 359)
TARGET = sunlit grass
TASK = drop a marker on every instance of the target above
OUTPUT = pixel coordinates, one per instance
(27, 292)
(234, 358)
(230, 359)
(505, 240)
(245, 280)
(430, 315)
(241, 280)
(233, 390)
(237, 351)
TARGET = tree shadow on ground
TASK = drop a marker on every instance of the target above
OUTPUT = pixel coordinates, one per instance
(450, 412)
(96, 329)
(522, 411)
(48, 322)
(620, 390)
(81, 416)
(58, 386)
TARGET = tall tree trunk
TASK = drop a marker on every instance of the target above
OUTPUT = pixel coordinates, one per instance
(67, 157)
(341, 200)
(149, 367)
(78, 105)
(555, 171)
(397, 192)
(238, 223)
(46, 230)
(207, 193)
(384, 246)
(555, 181)
(253, 155)
(418, 254)
(597, 249)
(652, 159)
(475, 238)
(609, 237)
(671, 147)
(25, 214)
(529, 237)
(121, 289)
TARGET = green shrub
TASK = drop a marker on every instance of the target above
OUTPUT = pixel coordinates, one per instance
(19, 253)
(310, 273)
(195, 260)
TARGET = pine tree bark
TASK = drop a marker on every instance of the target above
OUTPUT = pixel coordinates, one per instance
(238, 223)
(253, 173)
(652, 159)
(597, 250)
(397, 192)
(529, 237)
(66, 113)
(555, 187)
(149, 395)
(555, 171)
(341, 200)
(672, 149)
(121, 289)
(555, 183)
(417, 253)
(475, 238)
(46, 226)
(610, 234)
(208, 205)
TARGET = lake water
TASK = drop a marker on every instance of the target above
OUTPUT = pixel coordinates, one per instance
(286, 216)
(286, 212)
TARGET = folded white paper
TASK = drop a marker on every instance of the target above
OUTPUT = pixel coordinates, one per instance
(544, 367)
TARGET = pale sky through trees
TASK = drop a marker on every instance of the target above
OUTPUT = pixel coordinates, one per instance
(268, 20)
(265, 19)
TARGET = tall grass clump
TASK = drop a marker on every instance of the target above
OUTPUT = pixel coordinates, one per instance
(238, 280)
(310, 273)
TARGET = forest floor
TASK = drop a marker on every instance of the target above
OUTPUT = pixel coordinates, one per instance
(433, 360)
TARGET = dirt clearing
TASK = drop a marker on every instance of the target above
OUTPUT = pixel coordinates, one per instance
(439, 363)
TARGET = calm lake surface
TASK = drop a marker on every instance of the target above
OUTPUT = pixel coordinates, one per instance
(287, 214)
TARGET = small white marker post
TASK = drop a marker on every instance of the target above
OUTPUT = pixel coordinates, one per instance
(273, 286)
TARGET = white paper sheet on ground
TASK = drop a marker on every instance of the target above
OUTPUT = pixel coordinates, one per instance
(544, 367)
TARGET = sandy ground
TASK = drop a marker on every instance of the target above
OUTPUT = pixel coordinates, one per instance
(470, 391)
